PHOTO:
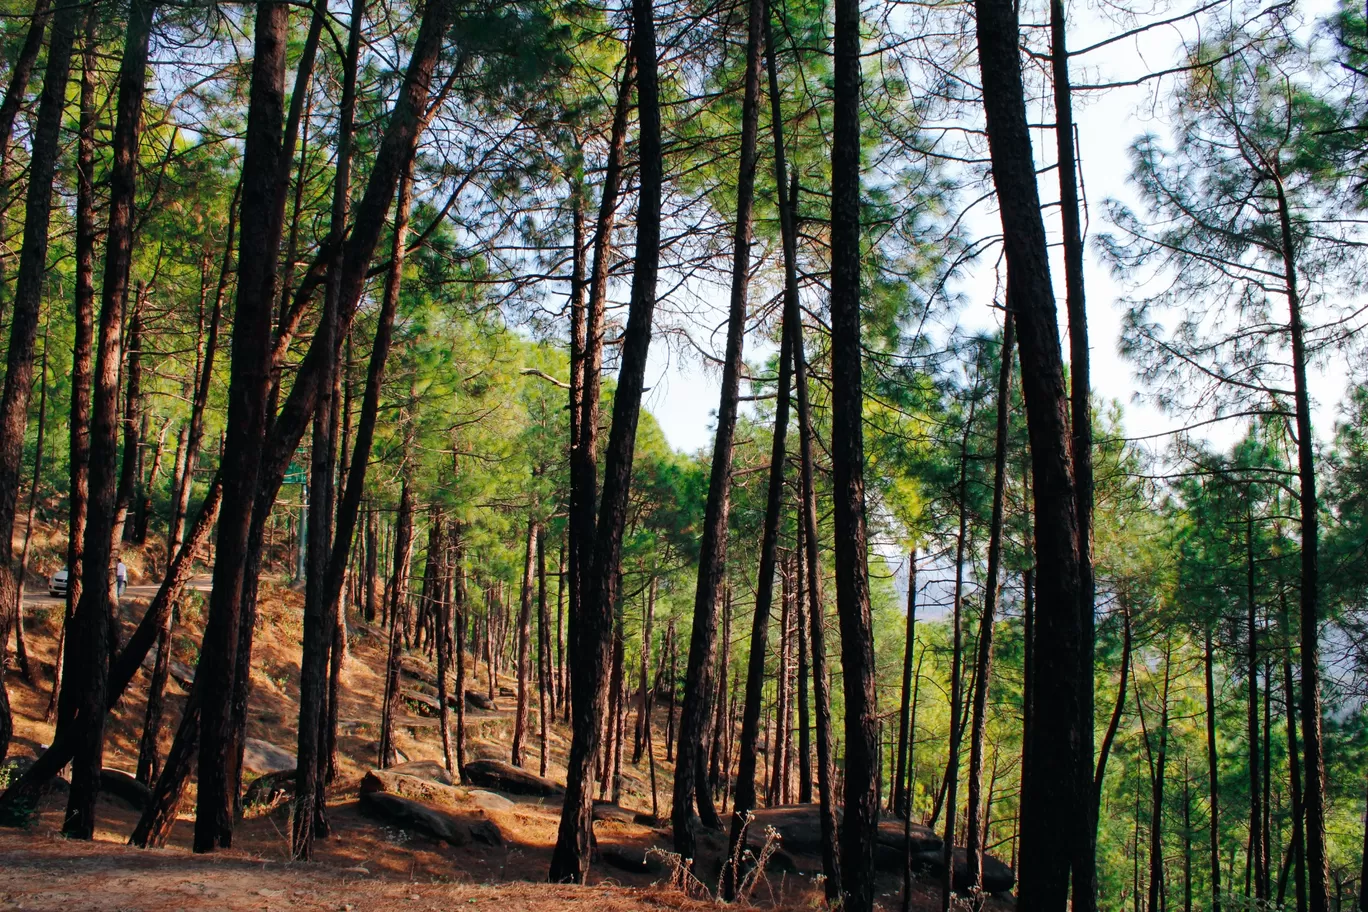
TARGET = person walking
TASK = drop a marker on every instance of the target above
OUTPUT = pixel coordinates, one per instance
(120, 578)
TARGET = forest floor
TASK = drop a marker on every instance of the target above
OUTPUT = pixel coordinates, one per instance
(364, 863)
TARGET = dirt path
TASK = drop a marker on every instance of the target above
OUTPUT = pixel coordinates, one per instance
(56, 875)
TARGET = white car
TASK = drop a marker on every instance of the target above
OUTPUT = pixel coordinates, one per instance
(57, 583)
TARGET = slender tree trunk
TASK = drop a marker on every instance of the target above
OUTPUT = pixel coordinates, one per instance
(545, 685)
(1258, 851)
(28, 292)
(398, 618)
(804, 708)
(320, 610)
(975, 836)
(1157, 900)
(584, 442)
(1296, 847)
(717, 774)
(788, 208)
(88, 651)
(1213, 772)
(1119, 709)
(1051, 802)
(27, 668)
(1317, 861)
(525, 642)
(956, 671)
(461, 603)
(593, 636)
(644, 707)
(901, 804)
(712, 562)
(129, 470)
(1080, 408)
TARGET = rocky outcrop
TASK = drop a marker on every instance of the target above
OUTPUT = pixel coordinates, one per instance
(498, 776)
(263, 757)
(997, 877)
(452, 828)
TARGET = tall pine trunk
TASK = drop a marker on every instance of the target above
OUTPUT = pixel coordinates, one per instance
(861, 816)
(975, 837)
(1051, 801)
(712, 560)
(525, 643)
(592, 637)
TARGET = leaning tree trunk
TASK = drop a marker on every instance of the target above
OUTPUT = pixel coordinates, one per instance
(28, 293)
(129, 467)
(974, 838)
(712, 557)
(1156, 859)
(88, 648)
(593, 638)
(1051, 801)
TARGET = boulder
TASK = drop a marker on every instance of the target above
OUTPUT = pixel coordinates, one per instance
(633, 861)
(422, 704)
(498, 776)
(120, 785)
(392, 782)
(997, 877)
(263, 757)
(490, 801)
(453, 829)
(270, 789)
(607, 810)
(477, 700)
(425, 769)
(505, 691)
(800, 831)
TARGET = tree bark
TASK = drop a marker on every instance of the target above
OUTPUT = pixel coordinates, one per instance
(28, 292)
(592, 638)
(545, 687)
(1118, 710)
(1051, 803)
(1258, 850)
(261, 221)
(861, 817)
(975, 836)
